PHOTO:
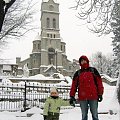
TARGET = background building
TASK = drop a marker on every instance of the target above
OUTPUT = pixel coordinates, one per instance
(8, 69)
(49, 51)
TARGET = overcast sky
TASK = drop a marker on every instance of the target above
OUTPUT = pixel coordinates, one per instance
(78, 39)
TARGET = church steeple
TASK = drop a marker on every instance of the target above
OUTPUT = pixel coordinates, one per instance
(50, 36)
(49, 19)
(48, 48)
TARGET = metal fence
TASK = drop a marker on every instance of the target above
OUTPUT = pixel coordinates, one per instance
(24, 95)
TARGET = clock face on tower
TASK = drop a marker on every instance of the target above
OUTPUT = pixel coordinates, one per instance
(51, 7)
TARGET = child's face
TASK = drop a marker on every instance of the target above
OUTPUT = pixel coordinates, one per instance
(54, 94)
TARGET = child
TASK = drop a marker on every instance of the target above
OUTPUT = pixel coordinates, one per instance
(52, 105)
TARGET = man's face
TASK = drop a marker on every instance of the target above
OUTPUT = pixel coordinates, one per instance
(83, 61)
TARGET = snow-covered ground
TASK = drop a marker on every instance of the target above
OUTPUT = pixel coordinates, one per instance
(69, 113)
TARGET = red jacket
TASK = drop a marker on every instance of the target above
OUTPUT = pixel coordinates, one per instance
(88, 84)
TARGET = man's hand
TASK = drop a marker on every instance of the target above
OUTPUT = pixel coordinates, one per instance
(72, 101)
(100, 98)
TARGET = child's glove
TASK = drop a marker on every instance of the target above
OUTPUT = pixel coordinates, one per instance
(72, 101)
(100, 98)
(45, 117)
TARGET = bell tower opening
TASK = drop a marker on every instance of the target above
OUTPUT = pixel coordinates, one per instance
(51, 56)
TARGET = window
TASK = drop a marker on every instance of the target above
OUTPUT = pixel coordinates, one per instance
(51, 35)
(70, 68)
(34, 46)
(38, 46)
(34, 61)
(51, 56)
(61, 47)
(54, 35)
(54, 23)
(48, 22)
(47, 35)
(64, 48)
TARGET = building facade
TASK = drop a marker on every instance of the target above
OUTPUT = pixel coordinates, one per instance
(8, 69)
(49, 51)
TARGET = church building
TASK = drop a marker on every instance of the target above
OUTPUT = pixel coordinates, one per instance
(49, 51)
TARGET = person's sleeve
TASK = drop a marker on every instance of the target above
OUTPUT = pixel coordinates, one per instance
(74, 85)
(65, 102)
(98, 79)
(46, 107)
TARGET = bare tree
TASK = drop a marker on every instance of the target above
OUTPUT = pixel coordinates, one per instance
(118, 92)
(3, 10)
(16, 18)
(96, 13)
(102, 63)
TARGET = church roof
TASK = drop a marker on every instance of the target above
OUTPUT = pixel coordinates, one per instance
(48, 0)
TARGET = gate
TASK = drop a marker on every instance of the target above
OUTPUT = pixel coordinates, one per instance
(24, 95)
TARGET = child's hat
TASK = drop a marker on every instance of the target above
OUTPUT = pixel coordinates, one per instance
(53, 89)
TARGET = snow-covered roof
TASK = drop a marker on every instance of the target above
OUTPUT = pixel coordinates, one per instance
(37, 76)
(62, 83)
(62, 39)
(7, 61)
(19, 68)
(59, 75)
(49, 66)
(43, 50)
(69, 79)
(43, 66)
(108, 78)
(37, 37)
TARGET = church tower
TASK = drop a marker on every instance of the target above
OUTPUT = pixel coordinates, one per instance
(51, 46)
(49, 51)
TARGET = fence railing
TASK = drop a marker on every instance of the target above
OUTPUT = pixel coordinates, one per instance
(24, 95)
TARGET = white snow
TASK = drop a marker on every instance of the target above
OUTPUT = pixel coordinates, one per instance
(38, 76)
(108, 105)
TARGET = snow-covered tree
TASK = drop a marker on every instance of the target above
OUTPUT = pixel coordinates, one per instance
(118, 92)
(15, 18)
(115, 24)
(100, 14)
(116, 41)
(4, 6)
(96, 13)
(118, 88)
(102, 63)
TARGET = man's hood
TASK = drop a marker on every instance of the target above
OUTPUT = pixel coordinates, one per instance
(83, 57)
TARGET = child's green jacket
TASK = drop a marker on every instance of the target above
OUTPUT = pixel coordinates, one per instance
(53, 105)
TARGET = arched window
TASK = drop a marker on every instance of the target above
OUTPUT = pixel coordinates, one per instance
(48, 22)
(34, 46)
(51, 56)
(38, 46)
(54, 23)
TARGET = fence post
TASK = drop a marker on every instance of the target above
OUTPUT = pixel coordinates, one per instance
(24, 104)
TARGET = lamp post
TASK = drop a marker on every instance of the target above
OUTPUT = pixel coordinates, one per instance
(24, 104)
(56, 60)
(100, 59)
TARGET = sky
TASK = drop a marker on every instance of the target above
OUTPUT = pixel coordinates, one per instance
(79, 41)
(69, 113)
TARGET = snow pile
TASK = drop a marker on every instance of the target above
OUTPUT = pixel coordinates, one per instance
(38, 76)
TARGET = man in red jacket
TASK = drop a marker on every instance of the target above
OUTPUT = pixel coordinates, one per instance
(88, 83)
